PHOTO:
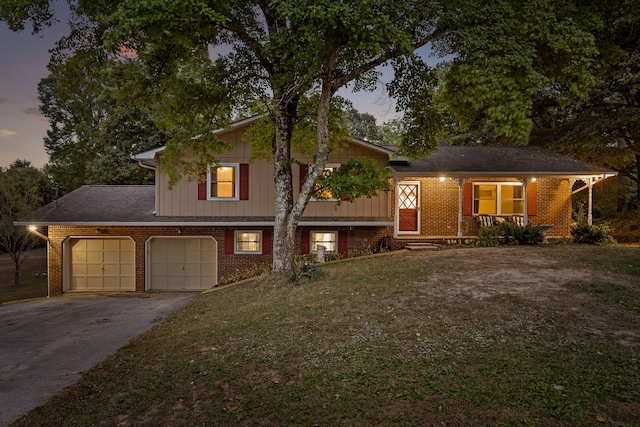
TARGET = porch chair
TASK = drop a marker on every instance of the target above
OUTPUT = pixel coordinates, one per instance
(518, 219)
(486, 221)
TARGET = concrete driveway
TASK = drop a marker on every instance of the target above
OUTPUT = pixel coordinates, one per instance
(46, 344)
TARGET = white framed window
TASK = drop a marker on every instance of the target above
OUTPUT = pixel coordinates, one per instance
(248, 242)
(328, 239)
(326, 194)
(498, 198)
(223, 182)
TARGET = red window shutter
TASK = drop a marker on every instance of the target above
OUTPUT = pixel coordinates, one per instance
(342, 241)
(467, 198)
(304, 169)
(228, 241)
(532, 204)
(266, 242)
(305, 244)
(244, 181)
(202, 186)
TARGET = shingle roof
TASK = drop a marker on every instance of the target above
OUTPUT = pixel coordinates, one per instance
(98, 203)
(94, 205)
(497, 161)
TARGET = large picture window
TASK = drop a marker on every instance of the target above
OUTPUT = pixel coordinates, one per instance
(223, 182)
(249, 242)
(327, 239)
(505, 198)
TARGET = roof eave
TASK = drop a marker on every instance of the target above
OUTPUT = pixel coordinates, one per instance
(524, 174)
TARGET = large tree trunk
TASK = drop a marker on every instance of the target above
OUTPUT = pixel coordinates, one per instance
(16, 274)
(284, 228)
(288, 212)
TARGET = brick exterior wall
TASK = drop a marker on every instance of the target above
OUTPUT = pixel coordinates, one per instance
(228, 264)
(439, 208)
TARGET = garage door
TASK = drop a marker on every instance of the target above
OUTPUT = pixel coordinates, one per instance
(102, 265)
(182, 263)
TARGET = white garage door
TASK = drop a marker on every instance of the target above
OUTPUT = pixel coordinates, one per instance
(182, 263)
(102, 265)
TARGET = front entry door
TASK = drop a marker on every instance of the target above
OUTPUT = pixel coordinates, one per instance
(408, 207)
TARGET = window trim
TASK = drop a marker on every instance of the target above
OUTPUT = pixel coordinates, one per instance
(498, 199)
(311, 240)
(330, 199)
(236, 181)
(260, 242)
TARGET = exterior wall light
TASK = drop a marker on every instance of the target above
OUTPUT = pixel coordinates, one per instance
(34, 230)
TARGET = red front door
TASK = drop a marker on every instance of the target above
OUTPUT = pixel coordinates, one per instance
(408, 205)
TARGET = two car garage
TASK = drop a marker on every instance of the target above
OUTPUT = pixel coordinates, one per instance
(172, 264)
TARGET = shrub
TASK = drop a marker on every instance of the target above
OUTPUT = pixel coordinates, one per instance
(592, 234)
(488, 237)
(510, 233)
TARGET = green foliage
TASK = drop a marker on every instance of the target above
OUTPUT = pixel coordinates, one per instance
(23, 189)
(363, 126)
(95, 123)
(506, 52)
(603, 128)
(582, 232)
(353, 179)
(304, 137)
(508, 232)
(488, 237)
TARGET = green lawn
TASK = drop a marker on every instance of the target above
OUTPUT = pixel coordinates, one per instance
(31, 285)
(540, 336)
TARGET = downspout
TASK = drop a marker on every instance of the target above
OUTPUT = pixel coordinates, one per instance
(155, 184)
(33, 229)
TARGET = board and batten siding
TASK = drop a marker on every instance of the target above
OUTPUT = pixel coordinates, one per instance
(181, 199)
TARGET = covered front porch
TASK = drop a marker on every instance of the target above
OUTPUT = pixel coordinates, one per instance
(454, 192)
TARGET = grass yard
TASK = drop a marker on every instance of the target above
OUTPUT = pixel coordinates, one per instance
(30, 286)
(537, 336)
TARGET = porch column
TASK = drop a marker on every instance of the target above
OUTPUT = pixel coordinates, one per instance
(460, 182)
(525, 184)
(590, 205)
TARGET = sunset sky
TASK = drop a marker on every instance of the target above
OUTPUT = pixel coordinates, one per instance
(23, 62)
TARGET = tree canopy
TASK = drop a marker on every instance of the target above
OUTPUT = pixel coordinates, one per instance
(23, 188)
(206, 62)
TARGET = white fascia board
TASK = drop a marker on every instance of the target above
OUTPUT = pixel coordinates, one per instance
(501, 174)
(372, 146)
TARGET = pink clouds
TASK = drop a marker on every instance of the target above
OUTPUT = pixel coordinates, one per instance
(12, 69)
(33, 112)
(6, 133)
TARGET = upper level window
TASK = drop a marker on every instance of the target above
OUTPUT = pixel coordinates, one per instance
(248, 242)
(222, 182)
(325, 193)
(506, 198)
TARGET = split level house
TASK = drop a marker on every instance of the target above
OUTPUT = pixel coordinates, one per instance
(190, 235)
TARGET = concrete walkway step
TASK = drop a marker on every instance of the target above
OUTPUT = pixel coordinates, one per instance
(421, 246)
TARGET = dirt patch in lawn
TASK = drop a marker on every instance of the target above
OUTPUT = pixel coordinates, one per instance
(548, 276)
(499, 271)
